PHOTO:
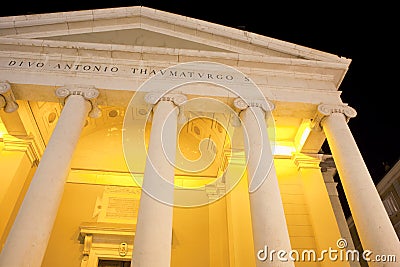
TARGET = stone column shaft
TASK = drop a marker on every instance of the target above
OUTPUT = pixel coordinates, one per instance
(28, 238)
(153, 237)
(372, 222)
(267, 214)
(328, 170)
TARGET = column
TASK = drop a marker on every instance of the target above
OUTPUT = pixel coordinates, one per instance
(328, 170)
(28, 238)
(270, 231)
(372, 222)
(17, 162)
(153, 237)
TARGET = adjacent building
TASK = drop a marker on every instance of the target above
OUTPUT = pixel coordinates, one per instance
(389, 190)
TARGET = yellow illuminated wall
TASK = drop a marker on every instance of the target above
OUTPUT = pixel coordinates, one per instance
(16, 173)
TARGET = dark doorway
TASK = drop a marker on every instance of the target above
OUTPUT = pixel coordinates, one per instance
(113, 263)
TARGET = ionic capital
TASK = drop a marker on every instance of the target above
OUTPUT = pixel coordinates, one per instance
(7, 99)
(325, 110)
(242, 104)
(153, 98)
(88, 93)
(177, 99)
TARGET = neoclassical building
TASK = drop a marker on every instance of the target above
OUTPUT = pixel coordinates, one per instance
(136, 137)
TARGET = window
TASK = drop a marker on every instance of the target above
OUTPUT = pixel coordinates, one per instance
(390, 203)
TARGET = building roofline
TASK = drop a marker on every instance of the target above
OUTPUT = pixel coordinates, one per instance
(15, 22)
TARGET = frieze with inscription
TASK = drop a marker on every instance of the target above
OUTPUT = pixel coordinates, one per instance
(124, 70)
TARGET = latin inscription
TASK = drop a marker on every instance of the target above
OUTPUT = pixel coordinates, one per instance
(119, 207)
(119, 204)
(121, 70)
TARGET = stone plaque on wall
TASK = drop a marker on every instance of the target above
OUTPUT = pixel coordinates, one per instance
(119, 204)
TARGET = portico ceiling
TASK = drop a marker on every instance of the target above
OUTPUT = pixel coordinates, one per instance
(101, 144)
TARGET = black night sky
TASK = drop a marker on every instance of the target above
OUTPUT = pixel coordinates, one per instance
(365, 33)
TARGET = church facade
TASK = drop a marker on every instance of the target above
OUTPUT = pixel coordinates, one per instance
(136, 137)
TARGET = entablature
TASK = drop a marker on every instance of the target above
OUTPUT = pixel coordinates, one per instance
(40, 53)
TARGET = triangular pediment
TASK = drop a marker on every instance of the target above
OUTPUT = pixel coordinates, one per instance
(135, 37)
(142, 26)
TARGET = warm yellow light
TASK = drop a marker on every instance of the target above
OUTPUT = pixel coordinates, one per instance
(3, 129)
(302, 134)
(283, 150)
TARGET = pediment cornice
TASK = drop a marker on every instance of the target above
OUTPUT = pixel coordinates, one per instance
(138, 17)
